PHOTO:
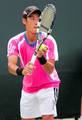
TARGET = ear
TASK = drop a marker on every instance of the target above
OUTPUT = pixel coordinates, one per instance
(24, 21)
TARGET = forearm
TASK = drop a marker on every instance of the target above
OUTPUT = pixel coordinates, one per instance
(12, 68)
(49, 66)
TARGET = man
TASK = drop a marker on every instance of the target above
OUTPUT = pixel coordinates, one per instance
(40, 79)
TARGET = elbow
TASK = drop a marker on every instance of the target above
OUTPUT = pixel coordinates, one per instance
(51, 70)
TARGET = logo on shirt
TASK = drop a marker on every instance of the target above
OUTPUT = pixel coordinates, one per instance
(11, 48)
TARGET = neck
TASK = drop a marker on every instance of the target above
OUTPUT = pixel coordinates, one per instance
(31, 37)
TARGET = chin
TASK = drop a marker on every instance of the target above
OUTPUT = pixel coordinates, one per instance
(34, 32)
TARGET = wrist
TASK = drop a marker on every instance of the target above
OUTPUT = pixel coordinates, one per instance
(42, 60)
(19, 71)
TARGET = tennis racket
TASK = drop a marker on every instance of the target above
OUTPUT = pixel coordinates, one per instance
(45, 24)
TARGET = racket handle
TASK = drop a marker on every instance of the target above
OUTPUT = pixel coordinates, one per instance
(33, 59)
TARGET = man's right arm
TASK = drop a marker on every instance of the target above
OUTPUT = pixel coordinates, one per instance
(12, 64)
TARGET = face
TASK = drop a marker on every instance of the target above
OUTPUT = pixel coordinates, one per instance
(31, 23)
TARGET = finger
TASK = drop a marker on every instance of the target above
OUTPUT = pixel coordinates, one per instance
(27, 72)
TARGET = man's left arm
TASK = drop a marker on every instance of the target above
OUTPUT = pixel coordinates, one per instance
(49, 66)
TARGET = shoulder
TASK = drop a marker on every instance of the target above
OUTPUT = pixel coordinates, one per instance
(17, 38)
(50, 39)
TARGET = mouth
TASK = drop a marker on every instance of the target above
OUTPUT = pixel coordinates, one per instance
(35, 27)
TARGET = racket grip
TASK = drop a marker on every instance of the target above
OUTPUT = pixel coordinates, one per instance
(33, 59)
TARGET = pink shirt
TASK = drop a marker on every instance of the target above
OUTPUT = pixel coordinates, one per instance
(20, 46)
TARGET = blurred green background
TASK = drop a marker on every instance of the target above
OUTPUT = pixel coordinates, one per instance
(68, 35)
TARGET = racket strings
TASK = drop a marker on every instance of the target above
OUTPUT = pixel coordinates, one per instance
(47, 18)
(46, 21)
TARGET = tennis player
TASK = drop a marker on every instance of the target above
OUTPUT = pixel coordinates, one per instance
(40, 81)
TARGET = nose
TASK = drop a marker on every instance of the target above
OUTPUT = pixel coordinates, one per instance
(36, 22)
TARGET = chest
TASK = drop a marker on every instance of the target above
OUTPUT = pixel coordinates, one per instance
(26, 51)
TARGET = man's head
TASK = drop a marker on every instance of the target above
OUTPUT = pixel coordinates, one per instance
(30, 10)
(30, 18)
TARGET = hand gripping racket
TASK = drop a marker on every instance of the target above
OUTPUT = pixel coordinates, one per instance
(45, 24)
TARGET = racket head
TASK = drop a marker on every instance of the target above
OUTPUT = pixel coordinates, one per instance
(47, 18)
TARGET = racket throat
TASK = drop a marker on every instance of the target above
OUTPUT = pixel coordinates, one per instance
(34, 57)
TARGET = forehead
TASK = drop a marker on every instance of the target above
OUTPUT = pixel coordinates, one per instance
(34, 14)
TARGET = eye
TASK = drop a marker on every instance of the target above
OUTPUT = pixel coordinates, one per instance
(34, 17)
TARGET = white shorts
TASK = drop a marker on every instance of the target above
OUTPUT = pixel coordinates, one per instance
(37, 104)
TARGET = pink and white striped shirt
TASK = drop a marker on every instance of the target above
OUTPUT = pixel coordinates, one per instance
(20, 46)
